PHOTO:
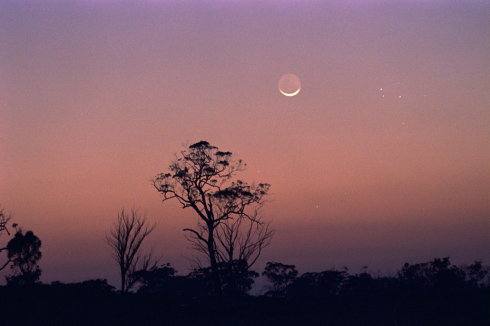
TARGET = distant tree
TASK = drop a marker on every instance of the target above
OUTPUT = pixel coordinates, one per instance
(234, 278)
(439, 275)
(476, 274)
(88, 287)
(203, 178)
(4, 221)
(126, 239)
(155, 279)
(319, 285)
(95, 286)
(365, 285)
(281, 276)
(23, 252)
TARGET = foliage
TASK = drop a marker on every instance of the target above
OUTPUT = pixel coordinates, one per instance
(23, 252)
(281, 276)
(438, 274)
(420, 294)
(155, 279)
(229, 228)
(317, 285)
(234, 278)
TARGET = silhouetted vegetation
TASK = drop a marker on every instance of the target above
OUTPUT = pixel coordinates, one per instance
(280, 276)
(232, 235)
(23, 253)
(229, 228)
(4, 230)
(157, 279)
(234, 278)
(431, 293)
(125, 239)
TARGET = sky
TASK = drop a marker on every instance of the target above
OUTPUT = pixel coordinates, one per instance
(382, 158)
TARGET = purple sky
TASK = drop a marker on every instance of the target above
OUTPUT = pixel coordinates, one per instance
(384, 156)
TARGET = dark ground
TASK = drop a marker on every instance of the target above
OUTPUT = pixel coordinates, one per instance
(68, 305)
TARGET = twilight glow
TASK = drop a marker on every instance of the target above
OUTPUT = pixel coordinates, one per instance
(383, 157)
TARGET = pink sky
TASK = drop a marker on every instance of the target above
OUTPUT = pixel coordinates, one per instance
(96, 97)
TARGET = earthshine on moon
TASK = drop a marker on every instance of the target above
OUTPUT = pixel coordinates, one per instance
(289, 85)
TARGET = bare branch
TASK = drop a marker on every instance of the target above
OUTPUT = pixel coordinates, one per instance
(126, 238)
(5, 218)
(203, 178)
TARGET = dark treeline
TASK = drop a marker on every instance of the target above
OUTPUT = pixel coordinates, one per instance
(432, 293)
(229, 237)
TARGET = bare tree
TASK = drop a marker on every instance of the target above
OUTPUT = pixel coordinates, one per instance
(235, 239)
(4, 221)
(203, 178)
(126, 239)
(242, 239)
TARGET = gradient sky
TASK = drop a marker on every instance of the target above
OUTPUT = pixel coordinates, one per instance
(97, 96)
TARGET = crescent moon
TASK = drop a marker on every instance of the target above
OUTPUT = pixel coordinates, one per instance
(296, 92)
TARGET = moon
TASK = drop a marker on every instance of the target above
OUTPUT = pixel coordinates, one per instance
(289, 85)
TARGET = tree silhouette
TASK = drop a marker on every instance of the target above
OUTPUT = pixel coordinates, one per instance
(126, 238)
(318, 285)
(436, 275)
(155, 279)
(234, 278)
(429, 293)
(203, 178)
(4, 221)
(242, 239)
(23, 252)
(281, 276)
(476, 274)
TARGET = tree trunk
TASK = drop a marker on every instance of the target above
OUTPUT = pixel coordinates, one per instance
(211, 249)
(213, 261)
(123, 281)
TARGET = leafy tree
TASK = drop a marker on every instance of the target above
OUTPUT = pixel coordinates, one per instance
(203, 178)
(365, 285)
(156, 279)
(23, 252)
(92, 287)
(476, 274)
(234, 278)
(318, 285)
(281, 276)
(438, 274)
